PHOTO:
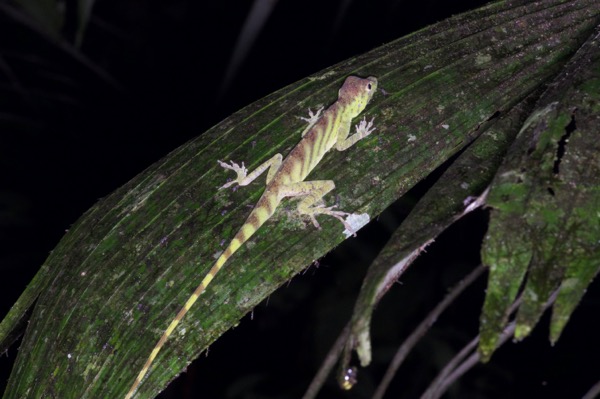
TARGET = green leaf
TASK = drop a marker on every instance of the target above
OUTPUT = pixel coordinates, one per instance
(129, 263)
(546, 198)
(444, 203)
(48, 14)
(509, 245)
(50, 17)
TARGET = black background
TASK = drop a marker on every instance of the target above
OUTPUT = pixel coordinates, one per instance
(69, 137)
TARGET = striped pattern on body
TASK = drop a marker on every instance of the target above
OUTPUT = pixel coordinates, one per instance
(286, 179)
(257, 218)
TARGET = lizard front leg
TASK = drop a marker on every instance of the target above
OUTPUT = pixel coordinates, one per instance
(243, 179)
(363, 129)
(314, 191)
(312, 119)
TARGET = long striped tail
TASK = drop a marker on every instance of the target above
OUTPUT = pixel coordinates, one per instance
(259, 215)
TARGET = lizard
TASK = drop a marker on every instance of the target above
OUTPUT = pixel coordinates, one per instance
(286, 178)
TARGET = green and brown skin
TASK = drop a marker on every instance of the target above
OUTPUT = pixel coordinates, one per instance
(286, 179)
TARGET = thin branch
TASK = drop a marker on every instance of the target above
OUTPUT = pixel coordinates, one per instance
(593, 392)
(328, 364)
(450, 374)
(422, 329)
(255, 21)
(61, 45)
(453, 364)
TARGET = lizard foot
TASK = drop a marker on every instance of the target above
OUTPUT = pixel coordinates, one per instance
(339, 215)
(365, 128)
(312, 117)
(241, 172)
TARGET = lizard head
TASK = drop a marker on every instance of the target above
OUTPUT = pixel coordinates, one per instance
(356, 93)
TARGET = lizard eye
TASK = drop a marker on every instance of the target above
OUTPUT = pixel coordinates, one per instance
(369, 87)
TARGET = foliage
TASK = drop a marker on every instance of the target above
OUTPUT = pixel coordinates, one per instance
(503, 98)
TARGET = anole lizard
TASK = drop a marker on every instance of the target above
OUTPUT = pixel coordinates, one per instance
(285, 178)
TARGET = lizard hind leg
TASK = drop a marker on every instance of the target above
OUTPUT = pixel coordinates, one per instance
(313, 193)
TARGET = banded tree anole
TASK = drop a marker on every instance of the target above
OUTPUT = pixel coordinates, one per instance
(285, 178)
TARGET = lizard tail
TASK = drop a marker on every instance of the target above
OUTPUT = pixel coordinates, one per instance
(259, 215)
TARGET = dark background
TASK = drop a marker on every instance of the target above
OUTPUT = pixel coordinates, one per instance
(71, 132)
